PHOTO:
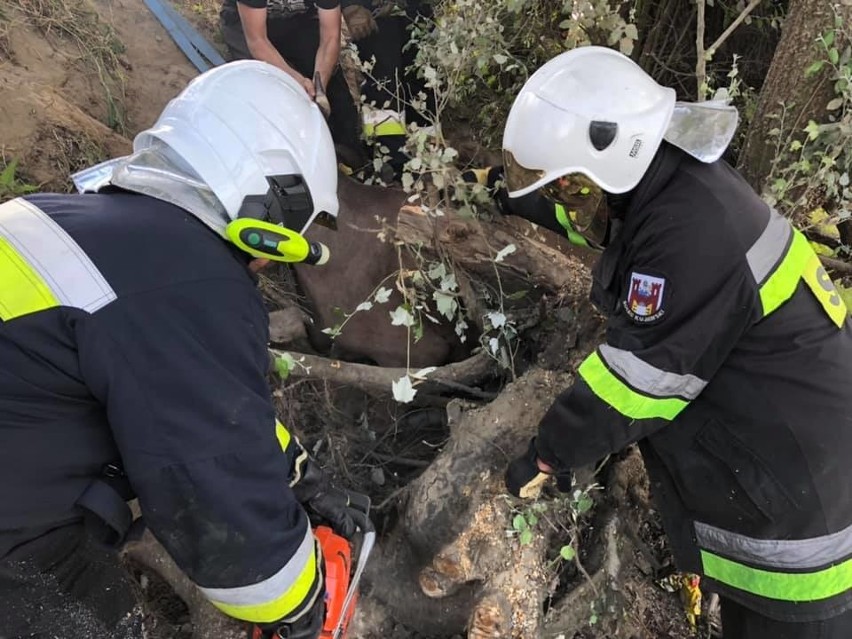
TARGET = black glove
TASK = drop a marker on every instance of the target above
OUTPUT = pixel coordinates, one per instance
(524, 478)
(321, 498)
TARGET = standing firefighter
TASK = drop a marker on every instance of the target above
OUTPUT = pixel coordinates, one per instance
(133, 342)
(728, 351)
(301, 37)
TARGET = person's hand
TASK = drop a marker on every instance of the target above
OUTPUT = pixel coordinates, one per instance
(320, 498)
(526, 475)
(360, 21)
(307, 85)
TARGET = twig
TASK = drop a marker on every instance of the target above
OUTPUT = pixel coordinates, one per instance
(727, 32)
(402, 461)
(701, 59)
(836, 265)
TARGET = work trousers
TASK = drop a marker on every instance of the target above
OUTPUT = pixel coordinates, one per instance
(297, 39)
(739, 622)
(65, 585)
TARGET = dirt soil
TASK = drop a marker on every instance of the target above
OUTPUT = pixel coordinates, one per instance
(78, 78)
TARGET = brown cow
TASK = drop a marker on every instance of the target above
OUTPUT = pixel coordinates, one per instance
(359, 262)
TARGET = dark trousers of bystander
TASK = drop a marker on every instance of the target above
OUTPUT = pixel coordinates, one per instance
(297, 38)
(65, 585)
(739, 622)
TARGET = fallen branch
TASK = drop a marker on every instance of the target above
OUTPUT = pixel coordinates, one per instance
(839, 266)
(377, 380)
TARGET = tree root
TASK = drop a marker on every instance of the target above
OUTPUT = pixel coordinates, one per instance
(377, 380)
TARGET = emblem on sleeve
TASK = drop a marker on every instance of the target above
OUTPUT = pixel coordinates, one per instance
(645, 298)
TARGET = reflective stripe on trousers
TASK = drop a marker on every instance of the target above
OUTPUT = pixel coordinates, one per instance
(42, 267)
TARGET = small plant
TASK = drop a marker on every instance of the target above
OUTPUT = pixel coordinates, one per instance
(11, 184)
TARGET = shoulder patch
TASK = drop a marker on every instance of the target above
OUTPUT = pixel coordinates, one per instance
(644, 303)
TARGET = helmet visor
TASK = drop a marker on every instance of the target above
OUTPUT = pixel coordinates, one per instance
(584, 203)
(518, 177)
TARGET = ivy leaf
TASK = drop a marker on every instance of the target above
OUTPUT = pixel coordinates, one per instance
(519, 523)
(403, 390)
(423, 372)
(497, 319)
(364, 306)
(493, 345)
(503, 252)
(500, 59)
(447, 304)
(567, 553)
(437, 271)
(812, 130)
(526, 537)
(382, 295)
(401, 316)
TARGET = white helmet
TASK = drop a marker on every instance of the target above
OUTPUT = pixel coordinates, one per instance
(253, 136)
(590, 110)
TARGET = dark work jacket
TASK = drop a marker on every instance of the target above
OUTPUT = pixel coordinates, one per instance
(146, 347)
(728, 355)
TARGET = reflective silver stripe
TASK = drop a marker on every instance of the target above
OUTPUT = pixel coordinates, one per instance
(269, 589)
(69, 273)
(786, 554)
(770, 247)
(648, 379)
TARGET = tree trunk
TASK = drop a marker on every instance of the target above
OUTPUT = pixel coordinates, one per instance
(788, 99)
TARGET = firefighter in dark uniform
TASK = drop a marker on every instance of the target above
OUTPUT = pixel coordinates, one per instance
(381, 30)
(301, 37)
(728, 350)
(134, 350)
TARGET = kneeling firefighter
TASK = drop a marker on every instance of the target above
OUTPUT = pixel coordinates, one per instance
(134, 349)
(728, 349)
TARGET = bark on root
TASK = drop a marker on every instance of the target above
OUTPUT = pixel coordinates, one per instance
(455, 535)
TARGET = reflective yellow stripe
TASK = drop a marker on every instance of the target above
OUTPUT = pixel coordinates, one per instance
(276, 597)
(22, 289)
(389, 127)
(784, 586)
(282, 434)
(783, 282)
(624, 399)
(824, 290)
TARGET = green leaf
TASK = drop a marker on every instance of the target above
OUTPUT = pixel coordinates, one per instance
(500, 59)
(584, 504)
(812, 130)
(834, 55)
(284, 364)
(567, 553)
(519, 523)
(834, 104)
(7, 177)
(814, 68)
(532, 520)
(526, 537)
(828, 38)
